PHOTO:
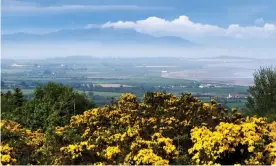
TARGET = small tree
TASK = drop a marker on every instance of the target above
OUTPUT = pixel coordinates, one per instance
(53, 104)
(262, 95)
(18, 97)
(11, 103)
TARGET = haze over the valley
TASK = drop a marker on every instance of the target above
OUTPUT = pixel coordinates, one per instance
(37, 30)
(57, 49)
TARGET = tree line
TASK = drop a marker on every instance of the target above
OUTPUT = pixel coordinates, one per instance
(52, 105)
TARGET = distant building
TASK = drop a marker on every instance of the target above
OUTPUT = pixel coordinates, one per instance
(205, 86)
(17, 65)
(233, 95)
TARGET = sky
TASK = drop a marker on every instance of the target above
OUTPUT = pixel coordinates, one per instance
(227, 24)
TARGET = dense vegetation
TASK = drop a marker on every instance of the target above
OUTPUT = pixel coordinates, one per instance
(53, 104)
(160, 129)
(262, 98)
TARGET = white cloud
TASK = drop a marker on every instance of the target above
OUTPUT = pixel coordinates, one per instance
(154, 25)
(184, 27)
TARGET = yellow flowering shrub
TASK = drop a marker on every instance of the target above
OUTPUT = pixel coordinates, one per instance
(157, 150)
(147, 156)
(272, 133)
(19, 145)
(111, 151)
(162, 129)
(7, 156)
(129, 132)
(230, 143)
(271, 149)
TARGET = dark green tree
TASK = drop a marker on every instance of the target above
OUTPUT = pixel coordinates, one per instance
(81, 103)
(54, 104)
(6, 105)
(17, 97)
(11, 103)
(262, 95)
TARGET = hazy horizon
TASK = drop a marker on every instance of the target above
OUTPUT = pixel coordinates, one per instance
(51, 50)
(234, 29)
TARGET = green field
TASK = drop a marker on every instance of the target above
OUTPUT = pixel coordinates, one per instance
(237, 104)
(105, 94)
(24, 91)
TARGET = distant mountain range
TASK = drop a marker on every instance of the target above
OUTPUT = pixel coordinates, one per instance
(101, 35)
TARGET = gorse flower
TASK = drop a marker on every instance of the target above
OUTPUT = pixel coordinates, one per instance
(162, 129)
(111, 151)
(230, 138)
(6, 155)
(16, 141)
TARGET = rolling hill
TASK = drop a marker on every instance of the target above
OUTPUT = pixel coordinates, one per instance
(101, 35)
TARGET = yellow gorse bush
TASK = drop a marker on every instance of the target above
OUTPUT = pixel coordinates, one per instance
(6, 155)
(136, 133)
(248, 140)
(18, 143)
(162, 129)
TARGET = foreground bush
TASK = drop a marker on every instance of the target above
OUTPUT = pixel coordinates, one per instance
(162, 129)
(249, 142)
(19, 145)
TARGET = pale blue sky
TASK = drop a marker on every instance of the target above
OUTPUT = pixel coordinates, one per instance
(49, 15)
